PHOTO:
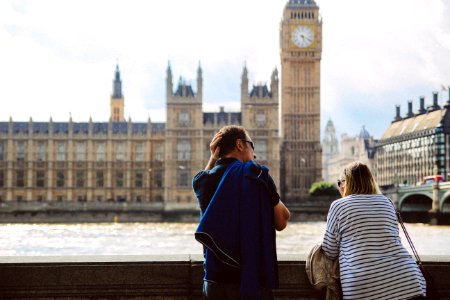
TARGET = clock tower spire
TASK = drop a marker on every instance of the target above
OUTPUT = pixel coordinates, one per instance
(301, 50)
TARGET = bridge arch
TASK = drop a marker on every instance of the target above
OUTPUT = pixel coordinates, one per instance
(418, 202)
(444, 204)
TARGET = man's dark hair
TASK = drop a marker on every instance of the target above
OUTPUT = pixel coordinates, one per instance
(230, 134)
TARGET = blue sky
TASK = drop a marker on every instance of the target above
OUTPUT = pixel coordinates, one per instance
(58, 57)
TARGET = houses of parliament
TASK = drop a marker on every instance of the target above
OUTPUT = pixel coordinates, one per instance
(124, 161)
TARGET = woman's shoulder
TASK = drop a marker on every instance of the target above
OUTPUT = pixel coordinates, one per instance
(354, 198)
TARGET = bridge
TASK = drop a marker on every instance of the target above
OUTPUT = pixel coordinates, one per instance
(433, 198)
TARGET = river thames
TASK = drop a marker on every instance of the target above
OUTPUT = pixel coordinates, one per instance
(171, 238)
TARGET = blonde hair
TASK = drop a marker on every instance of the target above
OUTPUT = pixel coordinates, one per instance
(359, 180)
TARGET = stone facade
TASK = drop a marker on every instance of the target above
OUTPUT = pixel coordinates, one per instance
(351, 148)
(123, 161)
(301, 51)
(415, 146)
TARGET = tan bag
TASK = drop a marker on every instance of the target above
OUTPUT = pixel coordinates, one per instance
(323, 272)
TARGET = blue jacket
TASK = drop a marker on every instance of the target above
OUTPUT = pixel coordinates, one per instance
(238, 227)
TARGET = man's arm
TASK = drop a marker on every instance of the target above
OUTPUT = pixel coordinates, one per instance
(215, 150)
(281, 216)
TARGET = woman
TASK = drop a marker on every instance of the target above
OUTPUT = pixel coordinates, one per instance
(362, 230)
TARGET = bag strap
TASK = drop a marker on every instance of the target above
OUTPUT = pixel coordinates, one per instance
(400, 221)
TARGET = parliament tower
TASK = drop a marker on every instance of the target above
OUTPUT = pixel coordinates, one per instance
(301, 49)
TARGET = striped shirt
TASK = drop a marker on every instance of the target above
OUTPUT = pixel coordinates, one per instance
(362, 230)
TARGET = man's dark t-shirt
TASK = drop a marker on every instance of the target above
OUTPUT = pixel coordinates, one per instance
(205, 184)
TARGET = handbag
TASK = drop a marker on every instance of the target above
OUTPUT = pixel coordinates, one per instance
(432, 292)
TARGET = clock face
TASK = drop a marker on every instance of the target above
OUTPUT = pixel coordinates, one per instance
(302, 36)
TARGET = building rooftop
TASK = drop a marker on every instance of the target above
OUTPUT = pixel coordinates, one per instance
(415, 124)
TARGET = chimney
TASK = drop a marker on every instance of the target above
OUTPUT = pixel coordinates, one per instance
(422, 109)
(397, 111)
(410, 113)
(435, 101)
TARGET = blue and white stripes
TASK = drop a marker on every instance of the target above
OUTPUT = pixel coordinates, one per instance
(362, 230)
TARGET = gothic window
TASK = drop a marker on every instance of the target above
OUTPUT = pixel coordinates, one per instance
(80, 155)
(40, 178)
(79, 179)
(183, 150)
(100, 152)
(158, 179)
(40, 153)
(99, 179)
(183, 118)
(60, 152)
(139, 179)
(260, 119)
(20, 151)
(120, 151)
(2, 178)
(139, 152)
(183, 178)
(20, 178)
(60, 179)
(261, 150)
(159, 152)
(2, 152)
(207, 151)
(119, 179)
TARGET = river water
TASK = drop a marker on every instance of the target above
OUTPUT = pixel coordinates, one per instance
(171, 238)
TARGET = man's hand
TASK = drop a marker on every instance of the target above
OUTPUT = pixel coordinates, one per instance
(215, 150)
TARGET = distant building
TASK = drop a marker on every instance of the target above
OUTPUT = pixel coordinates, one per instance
(357, 148)
(129, 161)
(415, 145)
(330, 148)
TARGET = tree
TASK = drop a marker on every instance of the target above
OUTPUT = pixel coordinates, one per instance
(323, 188)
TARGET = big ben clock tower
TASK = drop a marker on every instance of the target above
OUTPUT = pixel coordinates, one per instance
(301, 49)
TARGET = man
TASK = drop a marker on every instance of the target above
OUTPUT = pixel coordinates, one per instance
(240, 210)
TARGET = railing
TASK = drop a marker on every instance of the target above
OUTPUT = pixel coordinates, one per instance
(150, 277)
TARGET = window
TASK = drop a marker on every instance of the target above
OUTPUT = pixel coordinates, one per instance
(159, 152)
(260, 119)
(20, 178)
(183, 118)
(183, 150)
(139, 179)
(60, 152)
(139, 152)
(80, 155)
(158, 179)
(79, 179)
(120, 151)
(100, 151)
(40, 151)
(99, 179)
(20, 151)
(261, 149)
(59, 178)
(2, 178)
(183, 178)
(40, 178)
(2, 152)
(119, 179)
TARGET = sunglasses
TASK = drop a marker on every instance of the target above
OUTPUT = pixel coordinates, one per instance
(339, 182)
(251, 144)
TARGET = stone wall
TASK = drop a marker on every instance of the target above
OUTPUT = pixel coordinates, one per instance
(148, 277)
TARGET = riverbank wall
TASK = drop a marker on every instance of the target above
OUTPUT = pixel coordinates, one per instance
(314, 209)
(150, 277)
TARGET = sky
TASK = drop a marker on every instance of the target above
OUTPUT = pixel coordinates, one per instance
(57, 58)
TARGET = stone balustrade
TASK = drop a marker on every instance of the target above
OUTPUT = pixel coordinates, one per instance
(149, 277)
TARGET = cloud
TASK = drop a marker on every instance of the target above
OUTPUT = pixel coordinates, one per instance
(59, 56)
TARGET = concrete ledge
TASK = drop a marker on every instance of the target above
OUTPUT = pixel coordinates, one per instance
(149, 277)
